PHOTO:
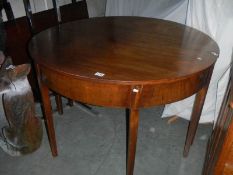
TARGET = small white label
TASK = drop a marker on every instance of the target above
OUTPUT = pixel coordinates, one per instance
(99, 74)
(135, 90)
(199, 58)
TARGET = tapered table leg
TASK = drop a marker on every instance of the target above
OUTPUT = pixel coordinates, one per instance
(196, 114)
(49, 118)
(132, 139)
(47, 113)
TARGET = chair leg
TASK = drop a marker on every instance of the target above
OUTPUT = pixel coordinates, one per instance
(59, 104)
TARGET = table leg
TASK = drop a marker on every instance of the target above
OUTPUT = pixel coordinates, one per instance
(47, 113)
(58, 103)
(132, 139)
(196, 114)
(49, 119)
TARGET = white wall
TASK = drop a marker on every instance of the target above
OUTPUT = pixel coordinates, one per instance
(96, 7)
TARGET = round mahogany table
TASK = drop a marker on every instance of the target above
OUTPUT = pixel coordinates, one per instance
(128, 62)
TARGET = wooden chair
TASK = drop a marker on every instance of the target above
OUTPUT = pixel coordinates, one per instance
(7, 7)
(4, 5)
(57, 15)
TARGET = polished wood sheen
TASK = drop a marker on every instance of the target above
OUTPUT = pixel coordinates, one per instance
(219, 154)
(143, 62)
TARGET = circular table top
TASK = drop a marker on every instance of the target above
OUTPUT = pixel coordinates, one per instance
(124, 50)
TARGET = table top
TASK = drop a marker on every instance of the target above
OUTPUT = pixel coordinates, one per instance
(126, 50)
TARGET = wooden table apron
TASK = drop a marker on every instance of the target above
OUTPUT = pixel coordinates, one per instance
(123, 91)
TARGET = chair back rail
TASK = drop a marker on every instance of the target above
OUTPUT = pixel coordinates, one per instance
(58, 14)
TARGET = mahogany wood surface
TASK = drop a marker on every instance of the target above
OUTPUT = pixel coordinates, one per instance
(219, 154)
(144, 62)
